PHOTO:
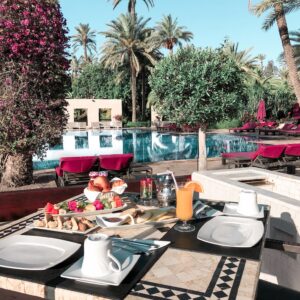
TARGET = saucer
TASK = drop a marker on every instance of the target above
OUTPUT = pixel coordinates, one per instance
(127, 260)
(230, 209)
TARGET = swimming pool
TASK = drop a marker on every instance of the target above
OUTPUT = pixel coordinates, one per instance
(146, 145)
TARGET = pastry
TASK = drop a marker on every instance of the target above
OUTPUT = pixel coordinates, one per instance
(146, 216)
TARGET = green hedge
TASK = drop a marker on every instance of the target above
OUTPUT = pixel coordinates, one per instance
(138, 124)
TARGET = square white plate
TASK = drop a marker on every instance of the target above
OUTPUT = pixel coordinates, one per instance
(230, 209)
(27, 252)
(231, 232)
(114, 278)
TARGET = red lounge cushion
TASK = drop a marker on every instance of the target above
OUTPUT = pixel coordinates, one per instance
(272, 151)
(75, 164)
(115, 162)
(247, 155)
(292, 150)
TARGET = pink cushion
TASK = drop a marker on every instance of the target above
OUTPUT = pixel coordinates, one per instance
(273, 151)
(115, 162)
(292, 150)
(249, 155)
(75, 164)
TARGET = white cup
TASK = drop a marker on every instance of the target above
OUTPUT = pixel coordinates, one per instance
(98, 259)
(248, 203)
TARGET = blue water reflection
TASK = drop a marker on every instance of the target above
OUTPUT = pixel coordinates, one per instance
(146, 145)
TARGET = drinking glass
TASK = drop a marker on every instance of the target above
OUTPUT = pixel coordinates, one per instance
(184, 209)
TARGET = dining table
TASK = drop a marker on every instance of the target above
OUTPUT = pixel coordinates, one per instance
(185, 269)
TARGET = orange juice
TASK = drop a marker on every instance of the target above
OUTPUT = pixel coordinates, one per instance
(184, 204)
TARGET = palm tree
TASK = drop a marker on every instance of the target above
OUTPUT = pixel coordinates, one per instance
(169, 34)
(279, 8)
(85, 38)
(75, 66)
(261, 58)
(243, 58)
(295, 37)
(128, 42)
(131, 5)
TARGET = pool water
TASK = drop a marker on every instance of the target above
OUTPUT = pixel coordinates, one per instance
(146, 145)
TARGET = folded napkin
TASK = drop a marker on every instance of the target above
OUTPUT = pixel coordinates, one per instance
(202, 210)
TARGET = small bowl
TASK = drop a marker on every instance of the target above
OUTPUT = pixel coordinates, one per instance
(91, 195)
(111, 220)
(120, 188)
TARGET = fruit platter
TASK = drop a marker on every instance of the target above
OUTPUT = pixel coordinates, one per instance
(106, 200)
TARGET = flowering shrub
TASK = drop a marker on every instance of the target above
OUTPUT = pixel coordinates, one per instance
(118, 117)
(33, 75)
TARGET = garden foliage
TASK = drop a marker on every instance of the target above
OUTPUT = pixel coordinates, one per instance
(33, 75)
(98, 82)
(197, 86)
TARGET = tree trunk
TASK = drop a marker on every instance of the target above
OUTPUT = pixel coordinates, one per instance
(202, 162)
(132, 8)
(18, 170)
(85, 53)
(133, 92)
(288, 49)
(143, 94)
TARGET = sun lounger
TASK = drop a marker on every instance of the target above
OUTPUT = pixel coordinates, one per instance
(249, 126)
(239, 159)
(280, 129)
(116, 164)
(76, 125)
(269, 157)
(73, 170)
(264, 157)
(293, 130)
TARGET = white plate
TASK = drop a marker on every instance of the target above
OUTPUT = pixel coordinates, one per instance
(26, 252)
(31, 226)
(230, 209)
(231, 232)
(114, 278)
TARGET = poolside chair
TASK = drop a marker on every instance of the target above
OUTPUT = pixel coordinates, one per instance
(95, 125)
(293, 130)
(116, 164)
(269, 157)
(266, 156)
(74, 170)
(249, 126)
(239, 159)
(280, 129)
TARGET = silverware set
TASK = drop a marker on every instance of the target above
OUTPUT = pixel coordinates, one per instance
(135, 246)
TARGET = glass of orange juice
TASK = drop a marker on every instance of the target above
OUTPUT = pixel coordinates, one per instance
(184, 209)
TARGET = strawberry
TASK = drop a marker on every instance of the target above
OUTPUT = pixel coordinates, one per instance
(54, 211)
(49, 207)
(118, 201)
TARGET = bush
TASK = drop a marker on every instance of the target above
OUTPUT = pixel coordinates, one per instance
(197, 86)
(227, 124)
(138, 124)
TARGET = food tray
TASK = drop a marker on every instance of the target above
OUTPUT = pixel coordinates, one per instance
(31, 226)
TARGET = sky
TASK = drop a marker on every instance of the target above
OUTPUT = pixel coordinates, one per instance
(209, 20)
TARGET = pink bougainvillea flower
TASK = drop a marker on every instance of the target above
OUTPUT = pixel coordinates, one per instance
(15, 48)
(72, 205)
(98, 204)
(25, 22)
